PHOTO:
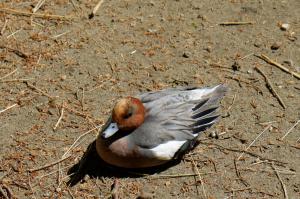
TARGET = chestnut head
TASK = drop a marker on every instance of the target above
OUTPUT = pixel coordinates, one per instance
(127, 115)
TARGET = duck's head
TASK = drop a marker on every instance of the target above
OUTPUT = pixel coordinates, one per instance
(127, 115)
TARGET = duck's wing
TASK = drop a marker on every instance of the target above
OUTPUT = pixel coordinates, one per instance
(175, 118)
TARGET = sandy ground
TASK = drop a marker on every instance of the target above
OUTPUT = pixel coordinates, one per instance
(81, 66)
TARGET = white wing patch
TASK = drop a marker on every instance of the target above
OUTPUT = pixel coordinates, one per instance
(166, 151)
(197, 94)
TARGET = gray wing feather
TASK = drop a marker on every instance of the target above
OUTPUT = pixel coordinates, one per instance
(177, 114)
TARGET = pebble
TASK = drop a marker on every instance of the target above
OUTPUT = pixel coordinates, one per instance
(275, 46)
(284, 26)
(186, 55)
(214, 134)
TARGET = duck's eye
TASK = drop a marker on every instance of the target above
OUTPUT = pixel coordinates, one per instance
(128, 115)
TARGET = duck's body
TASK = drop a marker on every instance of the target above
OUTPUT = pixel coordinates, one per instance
(157, 127)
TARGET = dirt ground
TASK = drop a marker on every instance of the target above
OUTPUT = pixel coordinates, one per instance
(78, 67)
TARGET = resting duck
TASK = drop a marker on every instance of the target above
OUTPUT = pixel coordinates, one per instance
(157, 127)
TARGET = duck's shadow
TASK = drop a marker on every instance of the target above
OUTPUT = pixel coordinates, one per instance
(91, 164)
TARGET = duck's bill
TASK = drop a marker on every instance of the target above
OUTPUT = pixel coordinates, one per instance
(110, 130)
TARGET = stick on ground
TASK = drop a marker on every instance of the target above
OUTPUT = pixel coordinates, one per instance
(37, 15)
(233, 23)
(281, 182)
(9, 74)
(270, 61)
(50, 164)
(254, 141)
(60, 118)
(290, 130)
(7, 108)
(271, 87)
(200, 178)
(96, 8)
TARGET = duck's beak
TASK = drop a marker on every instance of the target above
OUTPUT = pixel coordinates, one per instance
(110, 130)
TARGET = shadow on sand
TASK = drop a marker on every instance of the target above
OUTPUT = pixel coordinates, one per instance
(91, 164)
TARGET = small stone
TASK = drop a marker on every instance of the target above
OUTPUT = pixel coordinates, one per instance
(257, 44)
(214, 134)
(275, 46)
(186, 55)
(236, 66)
(284, 26)
(208, 49)
(63, 77)
(249, 71)
(58, 190)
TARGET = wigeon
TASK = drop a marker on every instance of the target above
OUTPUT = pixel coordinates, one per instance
(154, 128)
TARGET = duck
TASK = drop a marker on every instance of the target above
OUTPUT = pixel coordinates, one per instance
(154, 128)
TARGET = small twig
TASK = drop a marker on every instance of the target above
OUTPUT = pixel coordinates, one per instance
(8, 190)
(81, 136)
(37, 15)
(237, 190)
(238, 174)
(82, 99)
(254, 141)
(200, 178)
(60, 118)
(59, 35)
(50, 173)
(246, 56)
(70, 193)
(38, 5)
(233, 100)
(3, 193)
(114, 189)
(96, 8)
(177, 175)
(9, 74)
(290, 130)
(39, 90)
(285, 69)
(30, 186)
(17, 52)
(7, 108)
(49, 165)
(233, 23)
(4, 26)
(282, 184)
(12, 34)
(14, 80)
(271, 87)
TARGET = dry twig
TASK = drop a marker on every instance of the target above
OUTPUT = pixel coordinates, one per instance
(233, 23)
(14, 80)
(81, 136)
(60, 118)
(9, 74)
(39, 90)
(4, 26)
(200, 178)
(37, 15)
(49, 165)
(38, 5)
(96, 8)
(290, 130)
(7, 108)
(17, 52)
(177, 175)
(282, 184)
(285, 69)
(254, 141)
(271, 87)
